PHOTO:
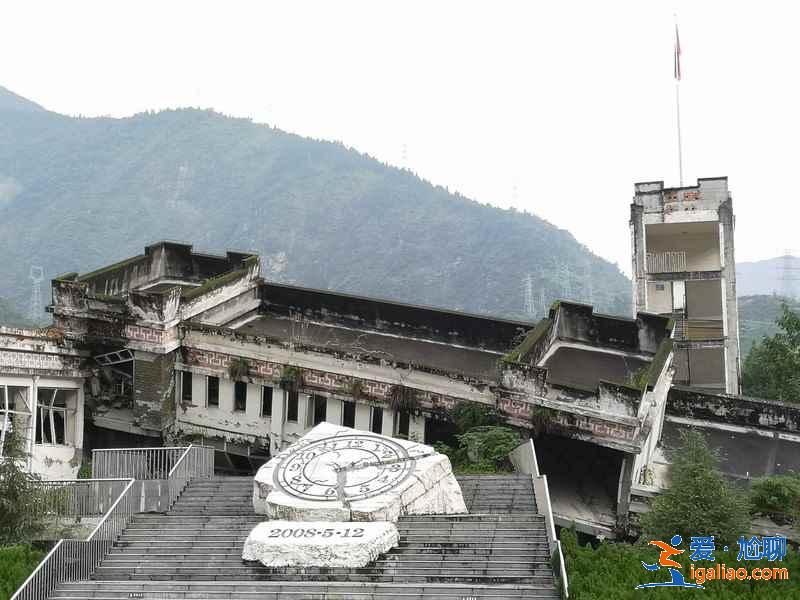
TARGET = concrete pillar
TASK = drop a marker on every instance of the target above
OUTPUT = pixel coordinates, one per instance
(387, 427)
(638, 259)
(334, 411)
(730, 302)
(362, 416)
(416, 428)
(624, 491)
(79, 424)
(253, 407)
(225, 395)
(278, 418)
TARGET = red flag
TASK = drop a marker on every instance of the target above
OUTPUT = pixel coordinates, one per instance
(677, 55)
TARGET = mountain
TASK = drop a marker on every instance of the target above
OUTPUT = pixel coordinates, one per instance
(9, 101)
(10, 316)
(79, 193)
(757, 316)
(780, 275)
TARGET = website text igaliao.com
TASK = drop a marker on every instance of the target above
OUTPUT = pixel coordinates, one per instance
(722, 571)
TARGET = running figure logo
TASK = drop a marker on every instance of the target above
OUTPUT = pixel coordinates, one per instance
(672, 566)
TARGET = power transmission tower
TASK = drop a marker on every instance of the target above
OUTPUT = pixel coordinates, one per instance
(566, 281)
(36, 275)
(527, 287)
(789, 275)
(588, 283)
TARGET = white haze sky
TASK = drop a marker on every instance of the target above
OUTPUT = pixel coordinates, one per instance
(556, 108)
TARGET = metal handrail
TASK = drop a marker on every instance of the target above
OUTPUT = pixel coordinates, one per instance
(77, 498)
(555, 543)
(77, 560)
(140, 463)
(113, 508)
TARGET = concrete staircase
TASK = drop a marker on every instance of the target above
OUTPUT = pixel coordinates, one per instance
(499, 551)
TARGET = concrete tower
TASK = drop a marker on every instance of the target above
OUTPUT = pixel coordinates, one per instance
(683, 266)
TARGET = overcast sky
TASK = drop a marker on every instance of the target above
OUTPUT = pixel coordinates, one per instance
(552, 107)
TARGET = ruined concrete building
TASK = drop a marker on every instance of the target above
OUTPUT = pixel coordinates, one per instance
(177, 345)
(41, 398)
(684, 267)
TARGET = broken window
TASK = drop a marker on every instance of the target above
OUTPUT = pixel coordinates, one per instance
(51, 417)
(186, 387)
(348, 414)
(376, 420)
(212, 390)
(319, 409)
(266, 401)
(14, 412)
(240, 396)
(292, 401)
(403, 424)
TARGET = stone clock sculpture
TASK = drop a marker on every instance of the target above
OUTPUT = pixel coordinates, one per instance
(336, 473)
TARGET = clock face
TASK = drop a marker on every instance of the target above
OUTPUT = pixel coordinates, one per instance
(309, 472)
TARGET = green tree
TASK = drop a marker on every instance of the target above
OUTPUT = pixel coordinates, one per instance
(772, 368)
(20, 518)
(777, 497)
(487, 448)
(699, 501)
(469, 415)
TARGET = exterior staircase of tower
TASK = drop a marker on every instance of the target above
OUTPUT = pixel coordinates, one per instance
(498, 551)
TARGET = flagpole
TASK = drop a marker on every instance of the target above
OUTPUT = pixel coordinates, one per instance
(677, 74)
(680, 146)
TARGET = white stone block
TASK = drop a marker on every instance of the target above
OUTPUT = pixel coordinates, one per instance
(319, 543)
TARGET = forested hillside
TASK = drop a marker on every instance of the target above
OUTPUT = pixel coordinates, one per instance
(78, 193)
(758, 317)
(780, 275)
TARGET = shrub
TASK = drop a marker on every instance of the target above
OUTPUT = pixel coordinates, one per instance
(20, 518)
(482, 450)
(777, 497)
(16, 563)
(699, 501)
(611, 571)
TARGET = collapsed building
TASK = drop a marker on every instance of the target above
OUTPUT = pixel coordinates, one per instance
(174, 344)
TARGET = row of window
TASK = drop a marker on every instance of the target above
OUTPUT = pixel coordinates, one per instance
(318, 405)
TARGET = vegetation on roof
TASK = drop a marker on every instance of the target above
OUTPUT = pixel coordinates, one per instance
(219, 281)
(522, 350)
(657, 364)
(110, 268)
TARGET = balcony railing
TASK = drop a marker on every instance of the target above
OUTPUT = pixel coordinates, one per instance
(698, 329)
(666, 262)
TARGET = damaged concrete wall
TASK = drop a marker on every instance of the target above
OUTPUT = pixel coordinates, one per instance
(737, 410)
(153, 383)
(386, 316)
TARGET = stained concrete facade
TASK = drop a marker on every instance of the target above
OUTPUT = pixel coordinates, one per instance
(42, 399)
(684, 267)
